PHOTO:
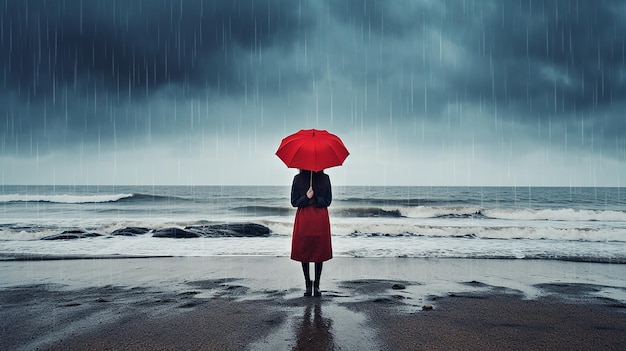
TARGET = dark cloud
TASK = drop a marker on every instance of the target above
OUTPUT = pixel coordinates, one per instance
(552, 62)
(136, 46)
(100, 70)
(70, 66)
(379, 17)
(558, 57)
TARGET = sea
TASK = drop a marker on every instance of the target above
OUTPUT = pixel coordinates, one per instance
(582, 224)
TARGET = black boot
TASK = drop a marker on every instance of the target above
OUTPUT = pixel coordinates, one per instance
(316, 289)
(307, 279)
(309, 288)
(318, 274)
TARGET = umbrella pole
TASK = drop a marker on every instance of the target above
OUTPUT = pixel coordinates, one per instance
(311, 182)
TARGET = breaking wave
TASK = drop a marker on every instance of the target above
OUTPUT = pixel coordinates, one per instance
(367, 212)
(147, 198)
(400, 201)
(88, 199)
(264, 210)
(474, 212)
(64, 199)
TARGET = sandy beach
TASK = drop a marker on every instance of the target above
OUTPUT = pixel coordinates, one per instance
(256, 303)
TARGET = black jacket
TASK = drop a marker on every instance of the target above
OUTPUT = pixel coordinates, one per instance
(321, 188)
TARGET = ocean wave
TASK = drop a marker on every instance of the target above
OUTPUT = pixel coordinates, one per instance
(264, 210)
(515, 214)
(549, 256)
(505, 233)
(565, 214)
(64, 199)
(400, 201)
(148, 198)
(473, 215)
(366, 212)
(345, 246)
(345, 212)
(90, 199)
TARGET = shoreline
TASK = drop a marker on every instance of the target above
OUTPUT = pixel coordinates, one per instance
(5, 256)
(256, 303)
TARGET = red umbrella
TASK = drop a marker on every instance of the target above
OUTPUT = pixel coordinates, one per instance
(312, 150)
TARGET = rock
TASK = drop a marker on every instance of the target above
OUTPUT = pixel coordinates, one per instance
(427, 307)
(398, 287)
(71, 234)
(174, 233)
(130, 231)
(231, 230)
(74, 231)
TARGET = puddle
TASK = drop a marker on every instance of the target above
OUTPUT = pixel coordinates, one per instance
(321, 325)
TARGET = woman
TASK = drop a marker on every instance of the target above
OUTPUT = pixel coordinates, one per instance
(311, 194)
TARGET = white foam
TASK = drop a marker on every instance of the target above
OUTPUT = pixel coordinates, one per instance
(430, 211)
(343, 246)
(566, 214)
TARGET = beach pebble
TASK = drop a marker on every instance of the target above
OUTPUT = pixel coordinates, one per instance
(427, 307)
(398, 287)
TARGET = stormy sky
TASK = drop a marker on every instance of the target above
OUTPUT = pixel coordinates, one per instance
(423, 92)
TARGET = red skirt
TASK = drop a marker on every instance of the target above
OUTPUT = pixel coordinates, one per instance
(311, 235)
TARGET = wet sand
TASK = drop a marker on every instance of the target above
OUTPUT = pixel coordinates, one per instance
(256, 303)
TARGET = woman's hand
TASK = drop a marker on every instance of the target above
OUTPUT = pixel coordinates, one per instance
(309, 193)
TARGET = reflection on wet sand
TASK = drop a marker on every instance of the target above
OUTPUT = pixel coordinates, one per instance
(313, 332)
(320, 324)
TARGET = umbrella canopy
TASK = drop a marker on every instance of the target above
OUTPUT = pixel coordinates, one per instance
(312, 150)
